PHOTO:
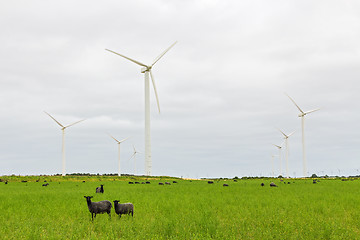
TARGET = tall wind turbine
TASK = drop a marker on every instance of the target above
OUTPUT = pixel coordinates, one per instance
(63, 141)
(279, 147)
(134, 156)
(286, 137)
(146, 69)
(119, 172)
(302, 116)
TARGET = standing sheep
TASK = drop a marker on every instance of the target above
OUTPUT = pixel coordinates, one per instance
(100, 189)
(98, 207)
(123, 208)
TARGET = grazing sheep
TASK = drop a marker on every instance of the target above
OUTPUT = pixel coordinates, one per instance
(314, 181)
(98, 207)
(6, 182)
(225, 185)
(123, 208)
(45, 185)
(23, 181)
(160, 183)
(147, 182)
(131, 183)
(83, 181)
(272, 184)
(174, 181)
(142, 182)
(167, 183)
(210, 182)
(262, 184)
(137, 183)
(100, 189)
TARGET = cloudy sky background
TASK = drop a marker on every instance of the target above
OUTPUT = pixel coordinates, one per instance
(221, 87)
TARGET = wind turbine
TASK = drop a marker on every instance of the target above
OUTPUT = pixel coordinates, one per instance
(279, 147)
(119, 173)
(63, 140)
(286, 137)
(302, 115)
(134, 156)
(146, 69)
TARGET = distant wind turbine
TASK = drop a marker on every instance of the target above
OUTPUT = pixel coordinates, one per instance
(119, 172)
(134, 156)
(63, 140)
(147, 71)
(279, 147)
(286, 137)
(302, 115)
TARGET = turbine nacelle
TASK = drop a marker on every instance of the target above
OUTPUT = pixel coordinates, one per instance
(145, 69)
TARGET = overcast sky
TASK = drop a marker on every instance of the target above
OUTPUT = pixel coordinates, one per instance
(221, 87)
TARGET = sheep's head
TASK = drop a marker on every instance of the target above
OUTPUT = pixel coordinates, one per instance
(116, 201)
(88, 197)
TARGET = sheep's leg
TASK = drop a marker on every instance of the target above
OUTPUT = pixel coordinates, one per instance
(92, 216)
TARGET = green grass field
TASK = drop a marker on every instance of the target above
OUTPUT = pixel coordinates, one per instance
(186, 210)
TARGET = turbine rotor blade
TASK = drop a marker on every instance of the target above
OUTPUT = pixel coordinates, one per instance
(312, 111)
(291, 133)
(114, 138)
(295, 103)
(54, 120)
(162, 54)
(132, 60)
(156, 95)
(282, 132)
(124, 140)
(74, 123)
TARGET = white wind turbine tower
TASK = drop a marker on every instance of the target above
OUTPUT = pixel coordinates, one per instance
(279, 147)
(63, 141)
(302, 115)
(134, 156)
(119, 172)
(286, 137)
(147, 71)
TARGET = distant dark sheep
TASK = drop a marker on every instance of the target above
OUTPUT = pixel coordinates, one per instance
(235, 180)
(314, 181)
(210, 182)
(142, 182)
(160, 183)
(288, 182)
(272, 184)
(131, 183)
(45, 184)
(100, 189)
(6, 182)
(167, 183)
(174, 181)
(137, 183)
(225, 185)
(147, 182)
(23, 181)
(83, 181)
(98, 207)
(123, 208)
(262, 184)
(38, 180)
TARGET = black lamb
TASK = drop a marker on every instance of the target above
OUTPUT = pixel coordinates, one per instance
(100, 189)
(98, 207)
(123, 208)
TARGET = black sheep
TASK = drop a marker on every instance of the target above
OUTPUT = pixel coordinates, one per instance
(100, 189)
(98, 207)
(123, 208)
(272, 184)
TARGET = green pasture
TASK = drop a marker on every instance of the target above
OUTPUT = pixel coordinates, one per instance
(194, 209)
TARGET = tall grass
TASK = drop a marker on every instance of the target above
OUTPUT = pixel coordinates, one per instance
(186, 210)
